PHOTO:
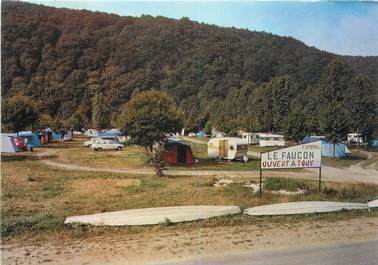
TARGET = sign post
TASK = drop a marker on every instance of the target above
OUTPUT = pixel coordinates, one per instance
(320, 178)
(308, 155)
(260, 192)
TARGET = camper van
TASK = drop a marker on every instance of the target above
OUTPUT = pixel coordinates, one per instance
(267, 139)
(251, 138)
(353, 138)
(230, 148)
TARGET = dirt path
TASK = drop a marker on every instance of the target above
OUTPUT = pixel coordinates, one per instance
(353, 174)
(169, 245)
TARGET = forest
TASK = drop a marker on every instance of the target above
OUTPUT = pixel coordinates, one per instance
(81, 67)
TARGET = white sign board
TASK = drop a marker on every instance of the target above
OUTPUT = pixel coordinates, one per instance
(307, 155)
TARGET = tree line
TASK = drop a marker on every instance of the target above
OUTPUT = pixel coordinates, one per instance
(78, 68)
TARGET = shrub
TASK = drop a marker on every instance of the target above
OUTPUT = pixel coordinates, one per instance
(35, 224)
(285, 184)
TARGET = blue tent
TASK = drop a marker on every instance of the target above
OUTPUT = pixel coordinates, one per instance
(327, 149)
(310, 139)
(374, 143)
(113, 133)
(201, 134)
(32, 138)
(56, 136)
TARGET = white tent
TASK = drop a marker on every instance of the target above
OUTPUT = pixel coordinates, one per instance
(7, 144)
(91, 133)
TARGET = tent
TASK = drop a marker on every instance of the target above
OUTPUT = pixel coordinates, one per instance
(176, 152)
(201, 134)
(109, 134)
(91, 133)
(340, 150)
(7, 144)
(310, 139)
(374, 143)
(32, 138)
(56, 136)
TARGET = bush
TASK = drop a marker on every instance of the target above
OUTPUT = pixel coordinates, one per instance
(35, 224)
(285, 184)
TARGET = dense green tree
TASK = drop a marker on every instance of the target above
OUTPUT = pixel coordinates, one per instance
(45, 121)
(208, 127)
(148, 117)
(18, 112)
(294, 125)
(360, 101)
(334, 82)
(98, 61)
(272, 102)
(100, 112)
(333, 122)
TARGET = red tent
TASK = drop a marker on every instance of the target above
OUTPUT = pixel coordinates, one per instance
(176, 152)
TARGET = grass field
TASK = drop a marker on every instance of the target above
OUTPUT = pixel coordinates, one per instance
(76, 153)
(135, 157)
(36, 199)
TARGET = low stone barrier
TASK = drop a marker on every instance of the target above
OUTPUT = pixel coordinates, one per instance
(150, 216)
(305, 207)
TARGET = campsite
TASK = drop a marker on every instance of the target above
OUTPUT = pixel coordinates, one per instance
(168, 138)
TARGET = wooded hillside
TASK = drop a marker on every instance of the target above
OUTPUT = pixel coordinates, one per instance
(83, 66)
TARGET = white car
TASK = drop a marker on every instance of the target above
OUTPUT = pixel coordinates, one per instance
(90, 142)
(100, 145)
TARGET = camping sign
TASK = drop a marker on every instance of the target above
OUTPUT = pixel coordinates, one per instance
(308, 155)
(300, 156)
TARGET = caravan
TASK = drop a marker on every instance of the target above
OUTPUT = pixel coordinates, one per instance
(355, 138)
(251, 138)
(267, 139)
(230, 148)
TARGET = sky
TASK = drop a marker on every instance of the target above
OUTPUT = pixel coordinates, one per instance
(347, 28)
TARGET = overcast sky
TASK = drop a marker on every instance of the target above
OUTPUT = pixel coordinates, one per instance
(348, 28)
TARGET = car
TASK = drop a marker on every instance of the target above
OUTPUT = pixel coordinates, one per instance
(90, 142)
(106, 145)
(192, 134)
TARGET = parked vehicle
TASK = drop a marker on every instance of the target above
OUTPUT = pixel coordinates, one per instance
(106, 145)
(230, 148)
(192, 134)
(90, 142)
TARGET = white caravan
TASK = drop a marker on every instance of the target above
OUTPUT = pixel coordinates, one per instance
(353, 138)
(230, 148)
(267, 139)
(251, 138)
